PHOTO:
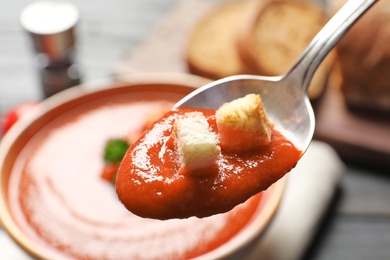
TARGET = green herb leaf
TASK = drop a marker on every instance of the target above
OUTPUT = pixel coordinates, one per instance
(115, 150)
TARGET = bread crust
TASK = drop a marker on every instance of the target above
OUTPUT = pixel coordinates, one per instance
(243, 124)
(276, 34)
(225, 41)
(211, 50)
(363, 55)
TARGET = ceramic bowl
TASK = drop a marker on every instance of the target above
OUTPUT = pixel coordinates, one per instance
(31, 214)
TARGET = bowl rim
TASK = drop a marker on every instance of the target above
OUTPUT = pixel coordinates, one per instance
(254, 228)
(257, 225)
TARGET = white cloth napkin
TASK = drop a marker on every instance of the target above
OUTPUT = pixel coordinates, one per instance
(309, 190)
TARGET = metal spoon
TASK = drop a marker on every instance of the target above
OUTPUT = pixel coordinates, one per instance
(285, 97)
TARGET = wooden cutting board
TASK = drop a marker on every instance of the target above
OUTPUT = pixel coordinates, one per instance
(360, 136)
(357, 136)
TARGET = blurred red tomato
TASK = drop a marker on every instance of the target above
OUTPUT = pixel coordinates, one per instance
(14, 114)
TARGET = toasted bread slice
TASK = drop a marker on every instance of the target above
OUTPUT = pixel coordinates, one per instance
(275, 34)
(211, 50)
(195, 144)
(364, 58)
(243, 124)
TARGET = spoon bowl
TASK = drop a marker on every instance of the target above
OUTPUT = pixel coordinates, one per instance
(288, 107)
(284, 97)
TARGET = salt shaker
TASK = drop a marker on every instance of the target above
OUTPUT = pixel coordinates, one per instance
(51, 25)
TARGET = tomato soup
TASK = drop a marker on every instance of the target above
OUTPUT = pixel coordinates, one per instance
(149, 183)
(58, 199)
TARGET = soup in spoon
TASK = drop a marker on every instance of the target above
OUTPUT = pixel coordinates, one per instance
(201, 162)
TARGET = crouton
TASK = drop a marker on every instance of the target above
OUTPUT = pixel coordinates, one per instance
(195, 144)
(243, 124)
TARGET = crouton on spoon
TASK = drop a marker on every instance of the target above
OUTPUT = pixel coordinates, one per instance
(203, 157)
(200, 162)
(285, 97)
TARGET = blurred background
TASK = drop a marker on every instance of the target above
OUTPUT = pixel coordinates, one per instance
(106, 30)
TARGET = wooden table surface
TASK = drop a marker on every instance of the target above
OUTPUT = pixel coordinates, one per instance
(357, 225)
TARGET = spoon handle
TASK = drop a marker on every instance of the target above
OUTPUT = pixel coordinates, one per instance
(304, 69)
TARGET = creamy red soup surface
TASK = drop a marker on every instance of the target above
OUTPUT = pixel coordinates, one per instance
(59, 199)
(151, 183)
